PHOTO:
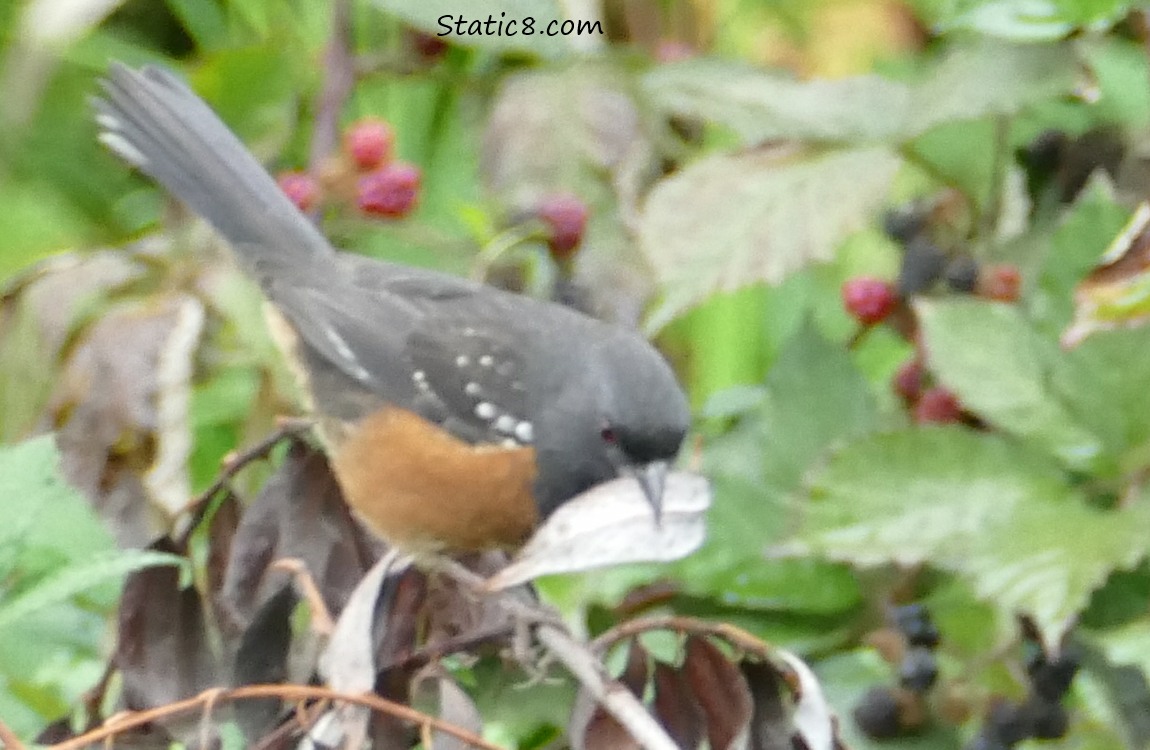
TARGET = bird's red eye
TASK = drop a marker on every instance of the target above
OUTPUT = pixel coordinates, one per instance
(608, 435)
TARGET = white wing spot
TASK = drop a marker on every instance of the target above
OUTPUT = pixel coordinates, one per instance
(462, 361)
(472, 389)
(345, 352)
(419, 376)
(485, 410)
(505, 423)
(524, 432)
(486, 360)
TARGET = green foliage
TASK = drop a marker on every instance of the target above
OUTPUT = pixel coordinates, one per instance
(730, 199)
(59, 569)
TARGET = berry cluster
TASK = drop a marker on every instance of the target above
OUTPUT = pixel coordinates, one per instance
(1040, 715)
(908, 643)
(929, 403)
(366, 174)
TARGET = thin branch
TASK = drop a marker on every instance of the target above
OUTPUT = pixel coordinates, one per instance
(322, 622)
(735, 636)
(233, 464)
(579, 660)
(339, 77)
(210, 698)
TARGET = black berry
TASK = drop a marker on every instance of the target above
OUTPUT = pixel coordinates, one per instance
(877, 714)
(919, 669)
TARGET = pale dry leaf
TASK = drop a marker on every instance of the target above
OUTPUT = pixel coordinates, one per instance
(610, 524)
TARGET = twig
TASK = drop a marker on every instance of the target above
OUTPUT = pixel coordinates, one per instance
(284, 692)
(339, 77)
(735, 636)
(618, 701)
(233, 464)
(322, 622)
(9, 738)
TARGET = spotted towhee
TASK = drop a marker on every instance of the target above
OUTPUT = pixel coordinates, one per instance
(457, 416)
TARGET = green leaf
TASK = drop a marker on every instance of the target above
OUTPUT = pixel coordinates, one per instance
(78, 578)
(813, 399)
(1083, 235)
(760, 106)
(1000, 368)
(44, 511)
(997, 513)
(1103, 383)
(729, 221)
(1120, 70)
(427, 17)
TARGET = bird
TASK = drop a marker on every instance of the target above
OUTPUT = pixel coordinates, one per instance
(456, 416)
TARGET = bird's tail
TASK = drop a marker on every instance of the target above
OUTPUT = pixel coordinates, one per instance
(155, 122)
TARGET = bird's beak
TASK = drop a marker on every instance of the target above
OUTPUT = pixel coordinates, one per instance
(653, 479)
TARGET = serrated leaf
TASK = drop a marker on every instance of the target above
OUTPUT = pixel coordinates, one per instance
(814, 399)
(997, 513)
(999, 368)
(42, 508)
(1103, 382)
(760, 106)
(729, 221)
(958, 87)
(78, 578)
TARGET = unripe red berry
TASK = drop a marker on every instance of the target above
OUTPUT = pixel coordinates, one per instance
(301, 189)
(369, 142)
(566, 219)
(909, 380)
(390, 191)
(428, 46)
(937, 405)
(869, 300)
(1001, 282)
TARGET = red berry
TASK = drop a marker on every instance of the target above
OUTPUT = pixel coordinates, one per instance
(300, 188)
(909, 380)
(937, 405)
(368, 142)
(566, 219)
(868, 299)
(1001, 282)
(428, 46)
(390, 191)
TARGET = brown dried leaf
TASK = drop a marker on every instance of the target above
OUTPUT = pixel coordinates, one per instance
(771, 727)
(676, 707)
(300, 513)
(722, 693)
(262, 658)
(163, 650)
(121, 410)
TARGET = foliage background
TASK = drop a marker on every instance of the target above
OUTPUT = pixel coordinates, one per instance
(732, 193)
